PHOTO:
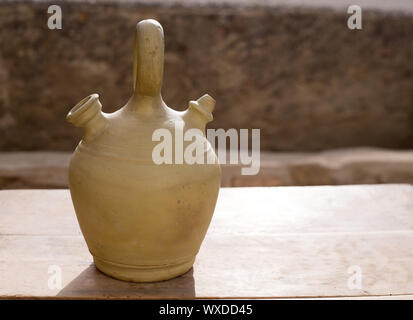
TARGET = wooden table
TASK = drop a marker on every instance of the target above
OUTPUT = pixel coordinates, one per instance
(263, 243)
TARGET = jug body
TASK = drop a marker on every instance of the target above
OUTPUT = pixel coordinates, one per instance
(142, 221)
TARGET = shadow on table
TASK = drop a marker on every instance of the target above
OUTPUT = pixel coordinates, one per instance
(91, 283)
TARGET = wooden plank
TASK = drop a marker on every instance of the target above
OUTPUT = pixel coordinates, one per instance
(262, 243)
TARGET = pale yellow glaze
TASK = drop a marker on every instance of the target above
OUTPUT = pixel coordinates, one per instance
(141, 221)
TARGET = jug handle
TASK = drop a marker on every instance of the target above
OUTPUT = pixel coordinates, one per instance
(148, 62)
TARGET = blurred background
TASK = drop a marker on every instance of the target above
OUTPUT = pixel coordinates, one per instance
(334, 105)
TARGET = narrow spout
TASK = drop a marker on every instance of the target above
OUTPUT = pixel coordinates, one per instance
(199, 112)
(88, 115)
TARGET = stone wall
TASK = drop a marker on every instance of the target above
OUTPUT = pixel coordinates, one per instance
(299, 74)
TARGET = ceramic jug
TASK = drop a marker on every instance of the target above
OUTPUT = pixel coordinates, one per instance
(142, 221)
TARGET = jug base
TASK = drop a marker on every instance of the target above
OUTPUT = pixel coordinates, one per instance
(142, 273)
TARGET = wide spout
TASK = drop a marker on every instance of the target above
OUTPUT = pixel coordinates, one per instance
(88, 115)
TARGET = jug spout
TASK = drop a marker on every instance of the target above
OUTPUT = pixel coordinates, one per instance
(199, 112)
(88, 115)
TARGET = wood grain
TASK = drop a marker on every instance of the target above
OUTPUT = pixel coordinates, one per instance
(282, 242)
